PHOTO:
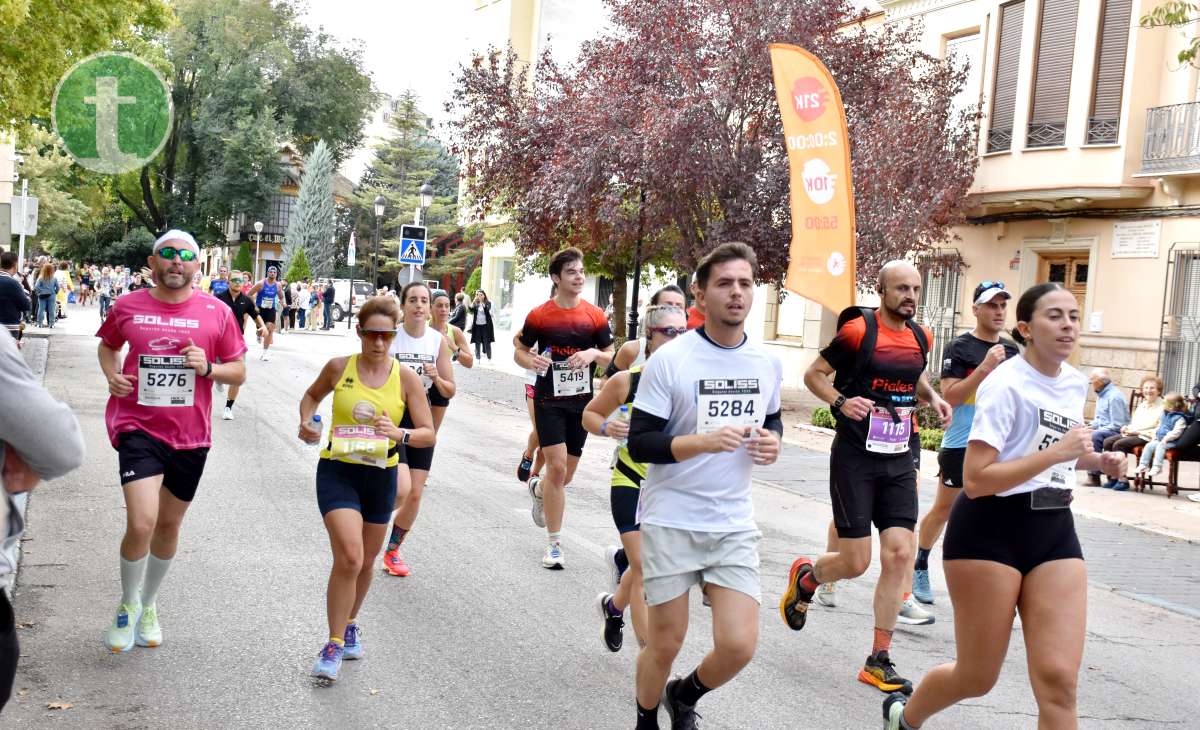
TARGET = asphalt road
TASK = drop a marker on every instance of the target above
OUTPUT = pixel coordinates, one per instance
(480, 635)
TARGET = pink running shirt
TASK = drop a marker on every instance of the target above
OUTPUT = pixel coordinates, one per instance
(156, 332)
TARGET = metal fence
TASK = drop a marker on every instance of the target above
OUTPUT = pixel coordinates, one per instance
(1172, 141)
(941, 276)
(1179, 342)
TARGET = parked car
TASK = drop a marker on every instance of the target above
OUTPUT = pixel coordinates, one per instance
(343, 302)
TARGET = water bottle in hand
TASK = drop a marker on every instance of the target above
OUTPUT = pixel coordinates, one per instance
(548, 355)
(314, 424)
(623, 416)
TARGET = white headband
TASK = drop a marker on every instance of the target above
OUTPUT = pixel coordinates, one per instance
(177, 236)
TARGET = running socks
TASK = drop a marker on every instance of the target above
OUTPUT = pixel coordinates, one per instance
(612, 608)
(229, 403)
(555, 537)
(156, 570)
(397, 538)
(922, 559)
(690, 689)
(131, 580)
(647, 719)
(340, 641)
(882, 642)
(809, 581)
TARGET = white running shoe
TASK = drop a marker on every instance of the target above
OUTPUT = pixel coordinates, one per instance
(227, 414)
(912, 614)
(262, 355)
(149, 633)
(267, 355)
(538, 511)
(553, 558)
(120, 635)
(614, 573)
(825, 595)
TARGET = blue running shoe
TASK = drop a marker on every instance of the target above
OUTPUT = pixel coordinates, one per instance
(921, 590)
(329, 661)
(354, 647)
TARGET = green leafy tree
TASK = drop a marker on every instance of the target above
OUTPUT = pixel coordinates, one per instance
(298, 268)
(310, 229)
(243, 261)
(49, 170)
(40, 40)
(1177, 14)
(474, 282)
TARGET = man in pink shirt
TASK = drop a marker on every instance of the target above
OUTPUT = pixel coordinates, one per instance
(180, 341)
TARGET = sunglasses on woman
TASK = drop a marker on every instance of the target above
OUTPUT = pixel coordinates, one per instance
(170, 252)
(670, 332)
(383, 335)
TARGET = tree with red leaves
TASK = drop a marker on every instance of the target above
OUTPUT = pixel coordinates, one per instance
(666, 126)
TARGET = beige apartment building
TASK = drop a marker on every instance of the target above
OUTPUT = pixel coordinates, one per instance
(1089, 172)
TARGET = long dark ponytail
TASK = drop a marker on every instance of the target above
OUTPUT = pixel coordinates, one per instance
(1027, 305)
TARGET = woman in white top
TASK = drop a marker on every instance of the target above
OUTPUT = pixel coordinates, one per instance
(1010, 542)
(425, 350)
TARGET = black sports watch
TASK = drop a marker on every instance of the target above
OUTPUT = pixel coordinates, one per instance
(208, 370)
(404, 439)
(837, 404)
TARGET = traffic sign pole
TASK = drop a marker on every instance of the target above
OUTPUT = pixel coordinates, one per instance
(21, 245)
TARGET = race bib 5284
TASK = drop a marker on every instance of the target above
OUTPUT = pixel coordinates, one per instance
(724, 402)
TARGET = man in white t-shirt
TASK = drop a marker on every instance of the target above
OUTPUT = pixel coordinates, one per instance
(707, 409)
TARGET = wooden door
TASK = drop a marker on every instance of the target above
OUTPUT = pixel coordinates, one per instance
(1071, 270)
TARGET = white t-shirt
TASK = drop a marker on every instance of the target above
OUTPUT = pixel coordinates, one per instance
(698, 386)
(1019, 411)
(414, 352)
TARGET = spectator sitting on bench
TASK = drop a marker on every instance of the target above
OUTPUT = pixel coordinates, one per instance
(1112, 412)
(1170, 427)
(1140, 429)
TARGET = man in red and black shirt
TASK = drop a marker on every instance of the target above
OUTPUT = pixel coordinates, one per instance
(871, 475)
(562, 341)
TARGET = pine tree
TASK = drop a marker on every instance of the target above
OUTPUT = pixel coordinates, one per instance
(243, 261)
(311, 226)
(298, 269)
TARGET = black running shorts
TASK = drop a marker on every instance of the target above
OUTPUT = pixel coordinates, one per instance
(950, 463)
(268, 315)
(369, 490)
(1007, 530)
(141, 456)
(560, 424)
(866, 489)
(414, 457)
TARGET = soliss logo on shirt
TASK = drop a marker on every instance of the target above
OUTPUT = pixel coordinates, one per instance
(166, 322)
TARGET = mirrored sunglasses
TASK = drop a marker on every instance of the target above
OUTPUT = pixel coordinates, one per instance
(385, 335)
(992, 284)
(170, 252)
(671, 332)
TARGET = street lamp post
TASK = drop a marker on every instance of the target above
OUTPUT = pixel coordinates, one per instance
(632, 332)
(258, 226)
(426, 193)
(380, 203)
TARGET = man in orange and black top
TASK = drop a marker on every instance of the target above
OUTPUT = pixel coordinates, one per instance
(562, 341)
(879, 368)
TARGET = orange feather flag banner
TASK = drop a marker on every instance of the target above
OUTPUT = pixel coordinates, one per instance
(821, 266)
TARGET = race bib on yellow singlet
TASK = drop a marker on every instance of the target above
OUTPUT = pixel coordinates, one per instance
(724, 402)
(885, 435)
(165, 381)
(359, 445)
(569, 381)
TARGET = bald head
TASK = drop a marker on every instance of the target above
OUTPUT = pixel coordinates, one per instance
(899, 289)
(893, 269)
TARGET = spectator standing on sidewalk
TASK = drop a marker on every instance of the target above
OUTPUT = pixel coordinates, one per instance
(327, 298)
(46, 289)
(1112, 412)
(14, 302)
(458, 317)
(483, 332)
(24, 461)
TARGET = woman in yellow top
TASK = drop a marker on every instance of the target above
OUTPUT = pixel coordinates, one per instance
(1141, 427)
(356, 475)
(663, 324)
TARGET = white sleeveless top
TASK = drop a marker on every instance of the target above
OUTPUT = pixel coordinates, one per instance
(641, 356)
(413, 352)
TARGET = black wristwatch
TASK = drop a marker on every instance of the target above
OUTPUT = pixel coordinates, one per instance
(208, 370)
(837, 404)
(404, 439)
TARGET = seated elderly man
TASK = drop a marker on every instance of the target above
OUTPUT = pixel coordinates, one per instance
(1112, 412)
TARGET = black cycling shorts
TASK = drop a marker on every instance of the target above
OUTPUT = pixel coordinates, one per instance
(624, 501)
(368, 490)
(140, 456)
(414, 457)
(867, 489)
(436, 398)
(950, 466)
(1007, 530)
(558, 424)
(268, 315)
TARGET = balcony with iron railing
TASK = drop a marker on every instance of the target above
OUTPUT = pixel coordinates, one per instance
(1172, 141)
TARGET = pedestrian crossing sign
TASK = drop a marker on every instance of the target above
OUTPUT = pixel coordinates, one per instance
(412, 245)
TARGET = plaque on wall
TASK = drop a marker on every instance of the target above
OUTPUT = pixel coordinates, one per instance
(1136, 239)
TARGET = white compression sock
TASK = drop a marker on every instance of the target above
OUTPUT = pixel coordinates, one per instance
(156, 570)
(131, 580)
